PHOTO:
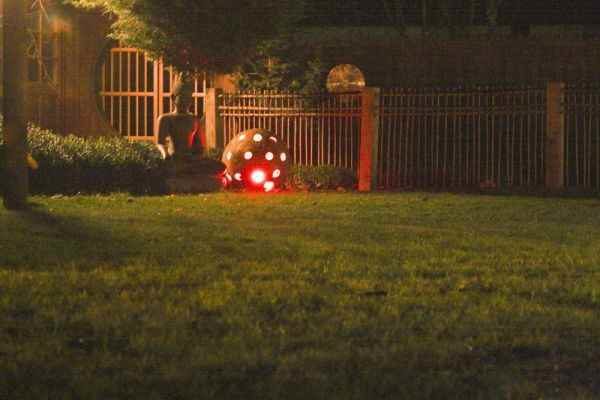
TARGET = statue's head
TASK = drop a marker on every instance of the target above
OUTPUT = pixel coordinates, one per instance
(182, 93)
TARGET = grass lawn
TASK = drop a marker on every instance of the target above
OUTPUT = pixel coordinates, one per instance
(301, 296)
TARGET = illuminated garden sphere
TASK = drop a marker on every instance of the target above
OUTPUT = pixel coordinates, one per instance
(255, 159)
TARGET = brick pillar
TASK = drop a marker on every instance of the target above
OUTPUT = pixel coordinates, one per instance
(555, 136)
(369, 140)
(211, 118)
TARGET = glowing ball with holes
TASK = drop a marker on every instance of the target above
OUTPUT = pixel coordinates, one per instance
(255, 159)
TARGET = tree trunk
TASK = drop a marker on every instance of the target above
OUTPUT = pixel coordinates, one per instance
(15, 130)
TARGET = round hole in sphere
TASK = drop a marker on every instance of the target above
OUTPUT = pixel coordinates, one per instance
(237, 176)
(283, 157)
(269, 156)
(276, 173)
(258, 137)
(269, 185)
(258, 176)
(248, 155)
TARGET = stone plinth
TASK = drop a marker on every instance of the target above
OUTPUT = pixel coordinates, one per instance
(198, 176)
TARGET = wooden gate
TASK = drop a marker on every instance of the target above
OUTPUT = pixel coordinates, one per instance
(135, 90)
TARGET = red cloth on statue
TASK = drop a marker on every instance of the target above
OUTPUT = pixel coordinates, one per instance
(197, 137)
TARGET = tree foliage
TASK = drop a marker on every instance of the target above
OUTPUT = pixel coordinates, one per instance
(210, 35)
(280, 65)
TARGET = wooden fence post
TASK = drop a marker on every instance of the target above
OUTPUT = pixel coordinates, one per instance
(211, 118)
(555, 136)
(369, 140)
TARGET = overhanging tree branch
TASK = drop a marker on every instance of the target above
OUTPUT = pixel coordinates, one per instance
(203, 34)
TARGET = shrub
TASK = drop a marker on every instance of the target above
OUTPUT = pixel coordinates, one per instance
(70, 164)
(324, 177)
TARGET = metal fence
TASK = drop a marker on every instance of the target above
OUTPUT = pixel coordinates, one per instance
(318, 129)
(582, 137)
(483, 137)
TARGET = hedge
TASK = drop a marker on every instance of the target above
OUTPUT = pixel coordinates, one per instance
(70, 164)
(323, 177)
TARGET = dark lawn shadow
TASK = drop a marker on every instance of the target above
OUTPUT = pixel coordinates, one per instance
(530, 192)
(39, 240)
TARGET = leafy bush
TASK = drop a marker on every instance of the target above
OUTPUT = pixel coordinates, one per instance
(324, 177)
(70, 164)
(279, 65)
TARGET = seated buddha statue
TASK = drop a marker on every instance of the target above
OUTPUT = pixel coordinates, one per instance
(181, 135)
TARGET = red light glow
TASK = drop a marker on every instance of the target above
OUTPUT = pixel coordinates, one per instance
(258, 176)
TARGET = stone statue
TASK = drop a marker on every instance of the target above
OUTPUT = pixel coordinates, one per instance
(182, 140)
(181, 135)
